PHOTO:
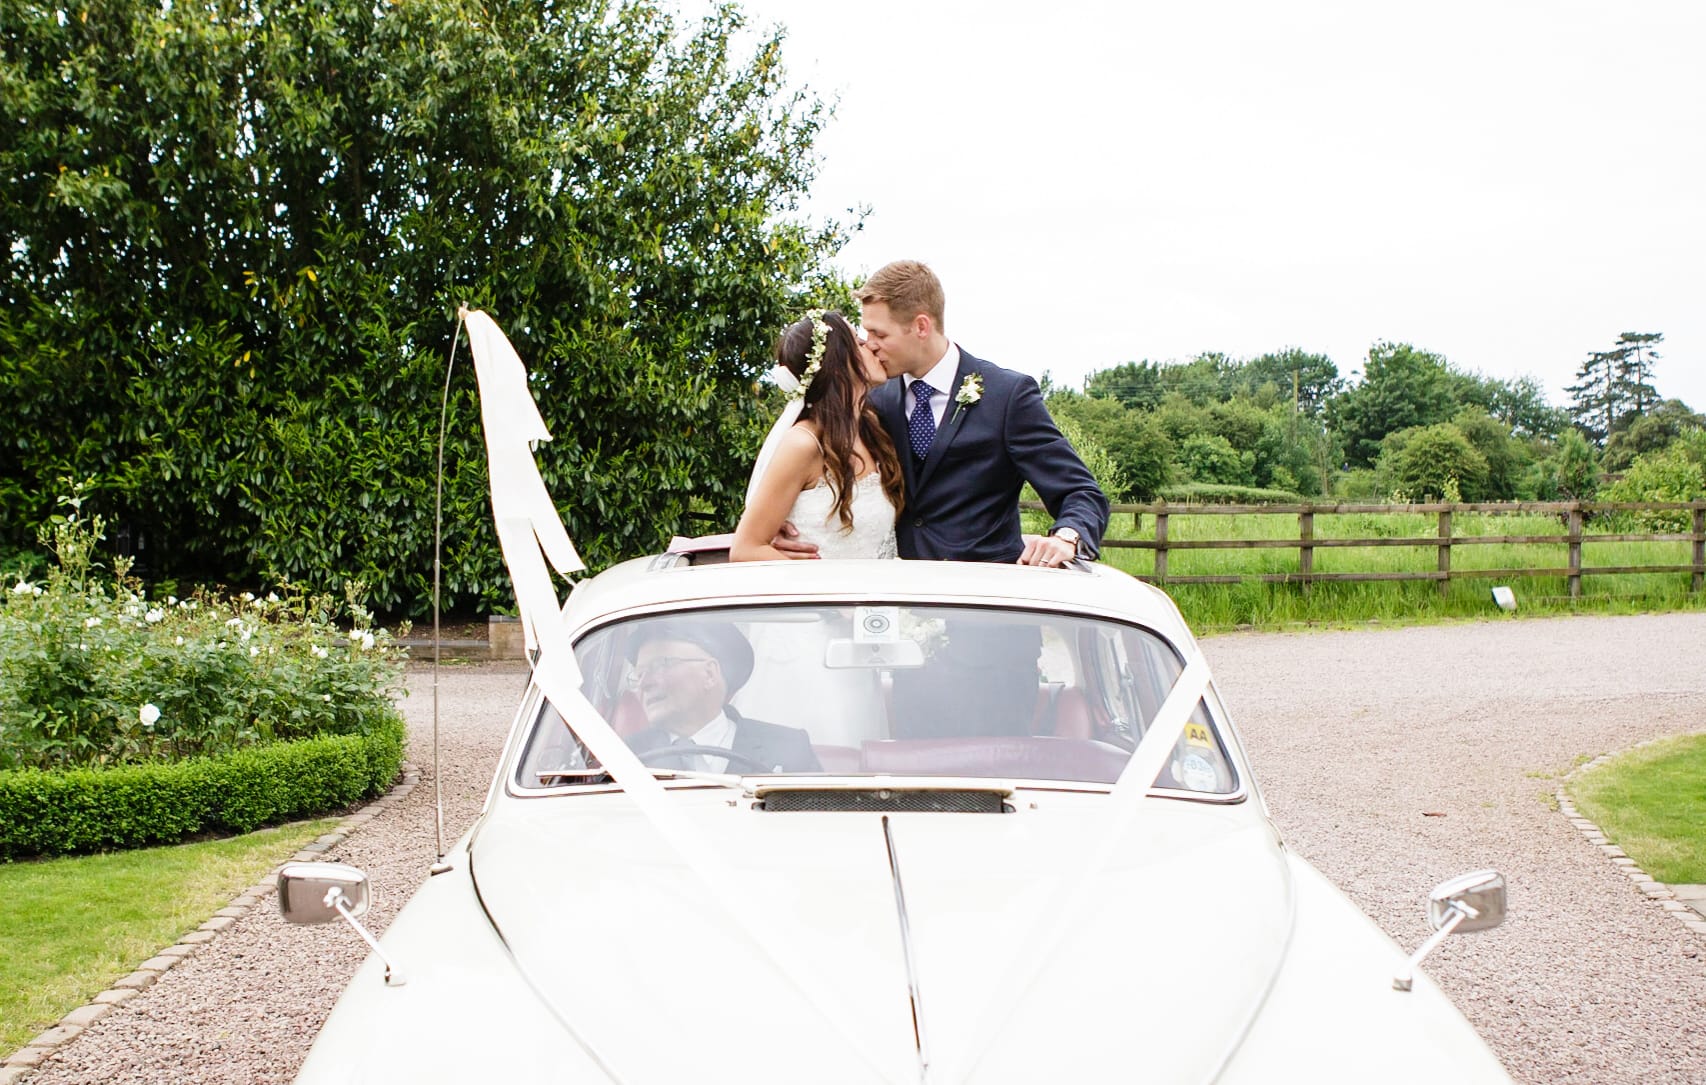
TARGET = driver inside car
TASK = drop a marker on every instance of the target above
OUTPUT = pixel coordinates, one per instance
(685, 672)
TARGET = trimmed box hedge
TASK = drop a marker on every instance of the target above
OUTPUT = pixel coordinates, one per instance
(131, 806)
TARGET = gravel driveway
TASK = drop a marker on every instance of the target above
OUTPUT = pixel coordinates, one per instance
(1353, 734)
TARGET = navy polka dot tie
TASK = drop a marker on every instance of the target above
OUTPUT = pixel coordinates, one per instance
(922, 427)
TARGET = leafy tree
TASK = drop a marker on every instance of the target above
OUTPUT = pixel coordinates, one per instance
(1313, 376)
(1135, 384)
(1653, 431)
(1571, 473)
(1669, 474)
(1209, 457)
(1202, 380)
(1506, 457)
(1137, 445)
(1521, 404)
(240, 229)
(1401, 387)
(1238, 420)
(1436, 461)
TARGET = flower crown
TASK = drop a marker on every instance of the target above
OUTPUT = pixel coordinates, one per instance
(814, 357)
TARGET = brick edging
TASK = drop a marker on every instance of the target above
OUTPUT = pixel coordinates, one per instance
(1655, 890)
(22, 1062)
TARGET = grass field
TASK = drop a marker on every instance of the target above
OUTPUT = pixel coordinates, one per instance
(69, 927)
(1211, 607)
(1652, 804)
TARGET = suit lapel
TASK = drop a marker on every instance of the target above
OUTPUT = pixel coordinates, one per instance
(746, 741)
(952, 419)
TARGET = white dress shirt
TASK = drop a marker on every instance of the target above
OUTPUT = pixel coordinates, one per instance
(940, 378)
(720, 732)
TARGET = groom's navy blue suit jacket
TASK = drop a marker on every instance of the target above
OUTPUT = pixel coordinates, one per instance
(962, 502)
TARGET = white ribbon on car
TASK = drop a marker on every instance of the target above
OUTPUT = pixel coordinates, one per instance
(528, 525)
(530, 531)
(1073, 894)
(785, 421)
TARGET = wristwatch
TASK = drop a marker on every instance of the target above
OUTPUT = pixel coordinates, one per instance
(1070, 534)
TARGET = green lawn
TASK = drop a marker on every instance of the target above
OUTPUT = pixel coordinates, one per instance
(69, 927)
(1651, 802)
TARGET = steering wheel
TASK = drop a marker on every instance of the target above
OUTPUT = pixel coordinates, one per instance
(683, 749)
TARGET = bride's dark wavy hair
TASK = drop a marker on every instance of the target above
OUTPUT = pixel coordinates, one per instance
(836, 402)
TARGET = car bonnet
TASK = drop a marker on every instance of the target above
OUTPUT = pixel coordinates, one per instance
(1165, 960)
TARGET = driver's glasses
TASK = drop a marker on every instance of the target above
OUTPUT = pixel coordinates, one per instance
(654, 667)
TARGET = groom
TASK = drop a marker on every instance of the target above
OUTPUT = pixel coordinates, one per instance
(969, 435)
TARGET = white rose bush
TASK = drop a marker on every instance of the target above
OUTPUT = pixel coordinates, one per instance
(177, 716)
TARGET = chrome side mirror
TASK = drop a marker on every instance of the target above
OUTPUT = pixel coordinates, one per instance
(1467, 903)
(321, 892)
(308, 893)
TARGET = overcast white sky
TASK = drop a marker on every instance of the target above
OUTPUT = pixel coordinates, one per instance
(1509, 183)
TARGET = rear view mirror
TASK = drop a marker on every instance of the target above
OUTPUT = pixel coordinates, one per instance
(306, 892)
(845, 653)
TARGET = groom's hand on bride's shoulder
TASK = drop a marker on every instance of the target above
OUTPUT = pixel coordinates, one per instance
(792, 546)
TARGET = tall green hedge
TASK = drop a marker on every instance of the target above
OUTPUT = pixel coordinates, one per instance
(239, 232)
(130, 806)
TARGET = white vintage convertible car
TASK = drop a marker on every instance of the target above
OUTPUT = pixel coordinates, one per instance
(876, 822)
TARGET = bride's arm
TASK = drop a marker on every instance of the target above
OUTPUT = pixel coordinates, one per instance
(797, 464)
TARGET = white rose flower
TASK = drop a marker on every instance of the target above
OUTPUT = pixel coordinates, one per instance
(92, 622)
(23, 587)
(248, 597)
(149, 715)
(254, 650)
(180, 640)
(327, 697)
(319, 652)
(272, 596)
(154, 614)
(171, 600)
(366, 640)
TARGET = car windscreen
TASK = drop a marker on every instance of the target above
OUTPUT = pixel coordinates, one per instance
(897, 690)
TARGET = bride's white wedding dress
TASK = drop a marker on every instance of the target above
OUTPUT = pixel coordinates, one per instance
(872, 534)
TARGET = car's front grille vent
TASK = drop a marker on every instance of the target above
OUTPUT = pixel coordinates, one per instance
(884, 800)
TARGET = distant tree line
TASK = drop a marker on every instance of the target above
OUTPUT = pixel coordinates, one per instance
(1413, 426)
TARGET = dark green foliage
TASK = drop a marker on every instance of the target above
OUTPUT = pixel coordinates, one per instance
(1209, 457)
(1670, 474)
(1570, 473)
(1140, 451)
(1314, 378)
(1135, 384)
(1614, 387)
(240, 232)
(1435, 463)
(1507, 458)
(1652, 432)
(82, 810)
(1401, 387)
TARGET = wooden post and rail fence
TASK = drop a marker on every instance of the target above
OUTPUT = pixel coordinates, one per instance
(1574, 515)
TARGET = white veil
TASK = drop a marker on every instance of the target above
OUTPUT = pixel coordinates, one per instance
(790, 414)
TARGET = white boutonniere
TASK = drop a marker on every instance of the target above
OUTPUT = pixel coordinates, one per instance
(971, 390)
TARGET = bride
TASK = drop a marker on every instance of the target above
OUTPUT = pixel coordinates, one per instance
(828, 467)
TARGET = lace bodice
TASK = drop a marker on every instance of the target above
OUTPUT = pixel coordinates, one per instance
(872, 535)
